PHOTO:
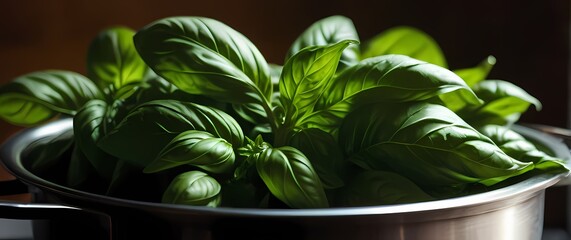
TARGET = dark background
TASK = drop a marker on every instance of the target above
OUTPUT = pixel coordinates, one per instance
(530, 39)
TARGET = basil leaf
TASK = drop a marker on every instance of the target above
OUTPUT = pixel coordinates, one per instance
(150, 126)
(328, 31)
(89, 126)
(427, 143)
(36, 97)
(113, 62)
(47, 151)
(193, 188)
(79, 168)
(374, 187)
(405, 40)
(305, 76)
(204, 56)
(242, 194)
(156, 88)
(518, 147)
(504, 102)
(324, 154)
(255, 113)
(122, 171)
(291, 178)
(251, 150)
(476, 74)
(389, 78)
(197, 148)
(275, 74)
(251, 112)
(471, 76)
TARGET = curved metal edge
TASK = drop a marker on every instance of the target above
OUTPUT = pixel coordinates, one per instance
(552, 136)
(18, 142)
(10, 155)
(34, 210)
(10, 152)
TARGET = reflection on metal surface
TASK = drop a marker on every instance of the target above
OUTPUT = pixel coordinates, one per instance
(15, 229)
(514, 212)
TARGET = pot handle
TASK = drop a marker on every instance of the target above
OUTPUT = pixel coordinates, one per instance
(53, 221)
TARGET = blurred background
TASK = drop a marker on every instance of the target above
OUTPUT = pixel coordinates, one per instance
(530, 39)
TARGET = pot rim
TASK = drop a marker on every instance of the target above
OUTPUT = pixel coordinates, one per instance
(11, 149)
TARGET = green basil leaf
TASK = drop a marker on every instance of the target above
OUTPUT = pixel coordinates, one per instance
(374, 187)
(275, 74)
(471, 76)
(197, 148)
(155, 87)
(324, 154)
(291, 178)
(36, 97)
(305, 76)
(246, 169)
(151, 126)
(113, 62)
(253, 148)
(193, 188)
(405, 40)
(328, 31)
(518, 147)
(504, 102)
(206, 57)
(122, 171)
(89, 126)
(252, 112)
(388, 78)
(47, 151)
(476, 74)
(79, 168)
(255, 113)
(242, 194)
(427, 143)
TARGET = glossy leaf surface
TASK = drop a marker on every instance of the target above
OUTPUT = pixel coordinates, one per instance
(516, 146)
(291, 178)
(152, 125)
(327, 31)
(206, 57)
(324, 153)
(197, 148)
(405, 40)
(113, 61)
(36, 97)
(504, 102)
(476, 74)
(193, 188)
(90, 126)
(426, 143)
(389, 79)
(305, 76)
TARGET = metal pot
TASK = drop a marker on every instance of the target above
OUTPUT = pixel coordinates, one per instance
(511, 212)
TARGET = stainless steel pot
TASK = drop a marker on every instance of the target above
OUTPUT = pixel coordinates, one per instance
(511, 212)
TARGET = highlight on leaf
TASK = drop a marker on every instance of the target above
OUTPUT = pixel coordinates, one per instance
(339, 124)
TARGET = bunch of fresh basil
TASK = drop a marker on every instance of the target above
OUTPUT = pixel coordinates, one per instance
(339, 124)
